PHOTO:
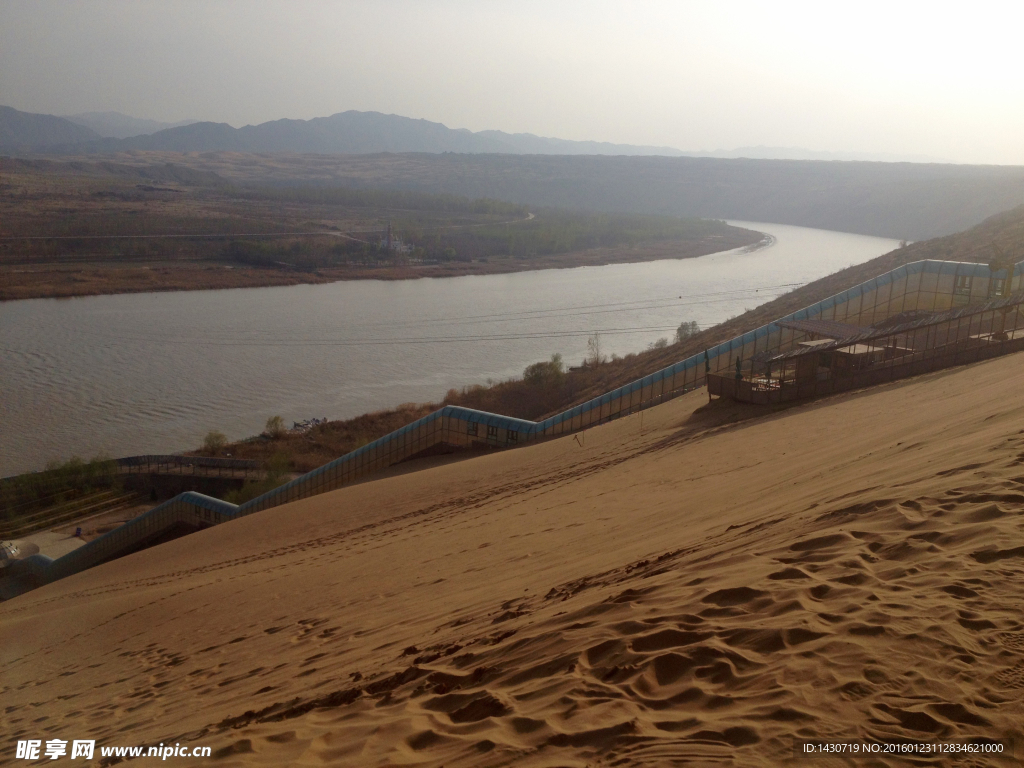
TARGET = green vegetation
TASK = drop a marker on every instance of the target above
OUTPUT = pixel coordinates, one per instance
(214, 442)
(275, 427)
(99, 208)
(553, 231)
(276, 475)
(543, 388)
(548, 233)
(315, 447)
(378, 199)
(547, 374)
(686, 329)
(193, 230)
(547, 388)
(60, 482)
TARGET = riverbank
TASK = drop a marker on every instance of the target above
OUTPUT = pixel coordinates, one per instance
(539, 396)
(153, 373)
(86, 229)
(63, 280)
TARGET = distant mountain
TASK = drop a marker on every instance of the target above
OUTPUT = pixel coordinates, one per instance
(118, 126)
(358, 133)
(798, 153)
(27, 130)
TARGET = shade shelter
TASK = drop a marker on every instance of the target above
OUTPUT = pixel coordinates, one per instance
(850, 357)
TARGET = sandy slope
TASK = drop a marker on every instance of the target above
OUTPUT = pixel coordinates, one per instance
(703, 590)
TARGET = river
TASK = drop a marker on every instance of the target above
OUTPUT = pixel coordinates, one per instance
(154, 372)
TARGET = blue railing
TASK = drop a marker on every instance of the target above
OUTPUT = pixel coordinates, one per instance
(928, 283)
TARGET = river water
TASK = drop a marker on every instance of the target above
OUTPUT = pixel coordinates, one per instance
(153, 373)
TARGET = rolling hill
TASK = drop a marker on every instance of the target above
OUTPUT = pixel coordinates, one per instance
(27, 130)
(119, 126)
(348, 132)
(910, 201)
(354, 132)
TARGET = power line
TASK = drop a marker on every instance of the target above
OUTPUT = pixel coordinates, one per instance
(413, 340)
(278, 342)
(716, 296)
(567, 313)
(563, 313)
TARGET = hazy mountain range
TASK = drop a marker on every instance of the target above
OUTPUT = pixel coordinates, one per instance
(343, 133)
(114, 125)
(20, 130)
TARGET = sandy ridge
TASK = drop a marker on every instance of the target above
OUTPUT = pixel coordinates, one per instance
(638, 600)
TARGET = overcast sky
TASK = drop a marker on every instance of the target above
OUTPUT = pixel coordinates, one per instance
(922, 79)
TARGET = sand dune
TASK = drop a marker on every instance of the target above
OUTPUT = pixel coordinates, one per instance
(702, 587)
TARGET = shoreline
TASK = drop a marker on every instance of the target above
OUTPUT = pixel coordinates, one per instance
(71, 280)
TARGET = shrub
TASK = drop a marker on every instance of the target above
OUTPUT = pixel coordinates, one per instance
(59, 482)
(687, 329)
(276, 475)
(550, 373)
(275, 427)
(214, 442)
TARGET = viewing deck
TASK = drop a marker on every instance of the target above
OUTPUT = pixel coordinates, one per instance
(843, 360)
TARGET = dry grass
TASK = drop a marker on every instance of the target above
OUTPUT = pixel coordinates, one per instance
(522, 399)
(90, 224)
(93, 279)
(308, 450)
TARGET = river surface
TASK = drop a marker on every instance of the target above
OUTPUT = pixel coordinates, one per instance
(154, 372)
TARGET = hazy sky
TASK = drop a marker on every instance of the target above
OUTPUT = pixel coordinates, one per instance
(933, 78)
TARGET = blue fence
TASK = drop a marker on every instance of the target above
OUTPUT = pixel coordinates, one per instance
(923, 285)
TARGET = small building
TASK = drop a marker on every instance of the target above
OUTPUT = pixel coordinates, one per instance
(827, 357)
(392, 243)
